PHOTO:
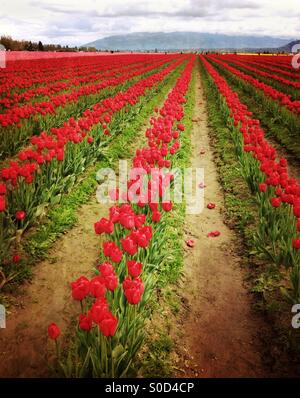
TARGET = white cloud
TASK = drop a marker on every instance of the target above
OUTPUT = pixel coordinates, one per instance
(75, 22)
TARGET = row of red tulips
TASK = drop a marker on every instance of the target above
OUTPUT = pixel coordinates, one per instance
(16, 114)
(22, 75)
(271, 68)
(66, 81)
(113, 303)
(283, 62)
(22, 87)
(15, 136)
(245, 65)
(269, 91)
(50, 167)
(37, 73)
(278, 195)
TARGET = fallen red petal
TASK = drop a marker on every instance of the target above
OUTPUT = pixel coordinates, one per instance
(214, 234)
(201, 185)
(190, 243)
(211, 206)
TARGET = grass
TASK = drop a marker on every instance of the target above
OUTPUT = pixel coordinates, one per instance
(157, 362)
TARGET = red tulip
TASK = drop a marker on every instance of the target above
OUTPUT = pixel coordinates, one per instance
(116, 255)
(108, 325)
(154, 206)
(147, 230)
(263, 187)
(106, 269)
(85, 322)
(53, 331)
(80, 288)
(2, 203)
(142, 240)
(296, 244)
(107, 248)
(111, 281)
(127, 220)
(99, 310)
(167, 206)
(276, 202)
(2, 189)
(129, 246)
(97, 286)
(16, 258)
(133, 290)
(114, 214)
(20, 215)
(104, 226)
(134, 268)
(139, 220)
(112, 250)
(156, 216)
(296, 211)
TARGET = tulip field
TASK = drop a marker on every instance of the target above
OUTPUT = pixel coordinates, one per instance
(62, 119)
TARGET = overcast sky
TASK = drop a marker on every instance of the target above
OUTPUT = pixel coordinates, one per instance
(78, 22)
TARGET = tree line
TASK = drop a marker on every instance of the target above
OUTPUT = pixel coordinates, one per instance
(25, 45)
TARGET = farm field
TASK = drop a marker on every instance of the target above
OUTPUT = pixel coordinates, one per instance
(129, 281)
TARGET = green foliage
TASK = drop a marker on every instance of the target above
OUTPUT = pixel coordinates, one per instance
(157, 362)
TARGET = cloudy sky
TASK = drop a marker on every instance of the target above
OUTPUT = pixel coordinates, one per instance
(78, 22)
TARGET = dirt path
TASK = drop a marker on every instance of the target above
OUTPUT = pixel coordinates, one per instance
(217, 336)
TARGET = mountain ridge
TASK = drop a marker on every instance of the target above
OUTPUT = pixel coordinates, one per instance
(185, 41)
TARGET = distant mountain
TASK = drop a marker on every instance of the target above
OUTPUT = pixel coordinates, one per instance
(184, 41)
(288, 47)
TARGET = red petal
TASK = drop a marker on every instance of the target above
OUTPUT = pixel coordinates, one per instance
(190, 243)
(211, 206)
(214, 234)
(201, 185)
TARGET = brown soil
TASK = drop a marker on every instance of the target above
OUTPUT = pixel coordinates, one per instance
(217, 334)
